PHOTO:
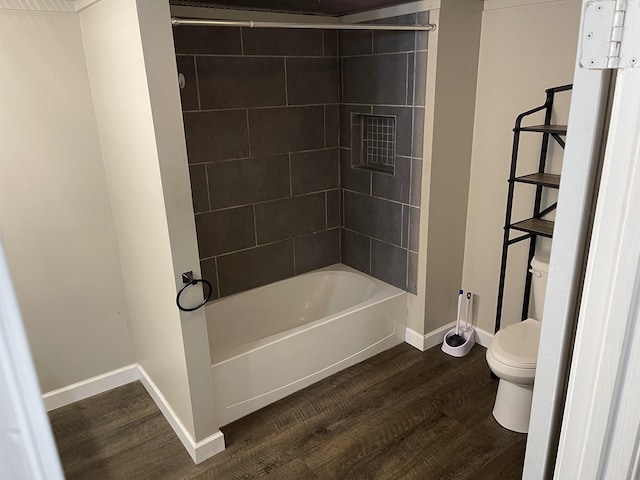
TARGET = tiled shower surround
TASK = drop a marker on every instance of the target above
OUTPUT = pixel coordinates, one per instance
(262, 117)
(384, 73)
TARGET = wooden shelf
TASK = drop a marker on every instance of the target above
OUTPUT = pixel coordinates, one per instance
(535, 225)
(545, 179)
(556, 129)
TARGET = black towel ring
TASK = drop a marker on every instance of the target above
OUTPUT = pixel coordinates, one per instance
(188, 280)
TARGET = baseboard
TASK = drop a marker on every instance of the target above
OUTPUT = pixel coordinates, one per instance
(199, 451)
(483, 337)
(90, 387)
(431, 339)
(414, 339)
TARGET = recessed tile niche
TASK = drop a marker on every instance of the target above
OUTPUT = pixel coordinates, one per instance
(373, 142)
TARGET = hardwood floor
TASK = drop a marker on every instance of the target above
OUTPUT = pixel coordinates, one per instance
(403, 414)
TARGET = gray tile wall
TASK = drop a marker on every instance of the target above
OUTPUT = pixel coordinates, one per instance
(261, 114)
(384, 73)
(267, 125)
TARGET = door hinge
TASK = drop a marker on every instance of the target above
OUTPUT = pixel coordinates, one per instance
(610, 34)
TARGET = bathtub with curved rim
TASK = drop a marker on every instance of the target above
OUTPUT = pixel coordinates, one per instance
(271, 341)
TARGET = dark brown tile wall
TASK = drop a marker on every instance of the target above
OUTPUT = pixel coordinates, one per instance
(248, 180)
(261, 112)
(267, 117)
(384, 72)
(216, 135)
(254, 267)
(230, 82)
(317, 250)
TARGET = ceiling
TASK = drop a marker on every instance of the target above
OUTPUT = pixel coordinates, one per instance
(312, 7)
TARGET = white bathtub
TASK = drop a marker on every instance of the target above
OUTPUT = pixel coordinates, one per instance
(271, 341)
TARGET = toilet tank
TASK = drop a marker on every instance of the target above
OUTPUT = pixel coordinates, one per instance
(539, 274)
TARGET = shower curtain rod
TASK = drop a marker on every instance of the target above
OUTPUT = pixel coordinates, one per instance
(175, 21)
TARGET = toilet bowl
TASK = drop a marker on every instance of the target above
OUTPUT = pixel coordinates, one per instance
(512, 357)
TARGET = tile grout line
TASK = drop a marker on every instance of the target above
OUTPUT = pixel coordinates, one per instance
(272, 200)
(326, 210)
(371, 184)
(406, 87)
(341, 199)
(248, 133)
(301, 105)
(273, 107)
(235, 159)
(286, 83)
(255, 226)
(290, 178)
(268, 244)
(406, 279)
(324, 124)
(377, 198)
(195, 68)
(341, 67)
(215, 261)
(386, 242)
(206, 177)
(402, 228)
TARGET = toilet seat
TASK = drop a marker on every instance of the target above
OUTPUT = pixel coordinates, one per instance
(517, 345)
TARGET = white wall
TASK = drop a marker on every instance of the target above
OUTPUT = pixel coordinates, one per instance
(131, 64)
(162, 79)
(452, 64)
(525, 48)
(454, 102)
(55, 216)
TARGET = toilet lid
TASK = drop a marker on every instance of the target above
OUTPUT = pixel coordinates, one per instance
(517, 345)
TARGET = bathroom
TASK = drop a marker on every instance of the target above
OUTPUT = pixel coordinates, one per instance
(141, 192)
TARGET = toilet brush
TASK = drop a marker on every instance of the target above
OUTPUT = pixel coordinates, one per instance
(466, 326)
(456, 339)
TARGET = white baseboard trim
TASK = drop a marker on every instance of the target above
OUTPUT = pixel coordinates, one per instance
(431, 339)
(414, 339)
(75, 392)
(483, 337)
(90, 387)
(199, 451)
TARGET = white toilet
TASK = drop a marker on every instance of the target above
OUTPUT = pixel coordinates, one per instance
(512, 357)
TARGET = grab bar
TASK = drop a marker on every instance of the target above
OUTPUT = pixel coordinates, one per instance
(187, 279)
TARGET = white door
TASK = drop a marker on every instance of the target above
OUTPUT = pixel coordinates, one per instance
(27, 448)
(598, 424)
(600, 436)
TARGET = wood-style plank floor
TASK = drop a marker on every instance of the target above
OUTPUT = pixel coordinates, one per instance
(403, 414)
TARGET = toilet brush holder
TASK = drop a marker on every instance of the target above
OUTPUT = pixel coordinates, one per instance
(460, 350)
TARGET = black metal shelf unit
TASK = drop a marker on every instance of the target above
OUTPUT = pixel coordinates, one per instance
(536, 225)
